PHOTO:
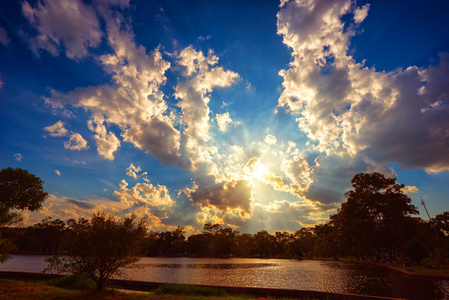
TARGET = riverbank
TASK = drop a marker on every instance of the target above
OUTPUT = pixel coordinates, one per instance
(31, 286)
(420, 271)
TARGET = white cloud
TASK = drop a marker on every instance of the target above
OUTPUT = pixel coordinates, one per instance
(4, 39)
(144, 194)
(398, 116)
(18, 157)
(202, 77)
(107, 142)
(57, 129)
(76, 142)
(58, 173)
(361, 13)
(133, 103)
(68, 23)
(223, 120)
(133, 171)
(270, 139)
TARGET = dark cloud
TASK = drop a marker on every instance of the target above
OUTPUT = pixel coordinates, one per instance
(81, 204)
(229, 194)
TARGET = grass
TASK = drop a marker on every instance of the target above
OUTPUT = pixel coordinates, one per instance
(175, 289)
(13, 289)
(424, 269)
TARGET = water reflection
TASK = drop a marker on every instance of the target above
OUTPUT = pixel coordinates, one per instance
(204, 266)
(289, 274)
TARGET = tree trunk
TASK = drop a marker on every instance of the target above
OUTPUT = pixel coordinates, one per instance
(101, 285)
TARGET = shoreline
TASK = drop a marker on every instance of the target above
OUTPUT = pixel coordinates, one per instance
(145, 286)
(406, 272)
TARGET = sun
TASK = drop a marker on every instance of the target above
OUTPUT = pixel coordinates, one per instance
(255, 170)
(259, 171)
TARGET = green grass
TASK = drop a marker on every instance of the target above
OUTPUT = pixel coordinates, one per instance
(13, 289)
(175, 289)
(424, 269)
(74, 282)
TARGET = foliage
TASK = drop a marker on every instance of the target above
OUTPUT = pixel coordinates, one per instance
(74, 282)
(168, 243)
(375, 222)
(99, 247)
(176, 289)
(19, 190)
(374, 215)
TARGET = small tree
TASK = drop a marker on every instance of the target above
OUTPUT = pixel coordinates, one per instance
(19, 190)
(99, 247)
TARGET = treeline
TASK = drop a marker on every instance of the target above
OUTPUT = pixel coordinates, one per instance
(421, 239)
(376, 222)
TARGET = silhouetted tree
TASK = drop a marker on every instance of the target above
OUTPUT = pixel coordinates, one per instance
(19, 190)
(48, 234)
(373, 216)
(99, 247)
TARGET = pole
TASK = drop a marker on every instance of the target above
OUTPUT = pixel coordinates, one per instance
(422, 202)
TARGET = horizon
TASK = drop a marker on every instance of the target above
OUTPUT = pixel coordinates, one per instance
(255, 116)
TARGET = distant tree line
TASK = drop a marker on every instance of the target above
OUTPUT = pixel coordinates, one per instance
(376, 222)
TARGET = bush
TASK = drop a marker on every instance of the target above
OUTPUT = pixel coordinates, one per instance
(175, 289)
(74, 282)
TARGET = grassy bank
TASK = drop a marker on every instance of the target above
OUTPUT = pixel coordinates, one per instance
(13, 289)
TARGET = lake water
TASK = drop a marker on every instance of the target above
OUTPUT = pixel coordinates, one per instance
(325, 276)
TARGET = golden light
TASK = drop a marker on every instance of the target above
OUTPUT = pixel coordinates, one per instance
(255, 169)
(259, 171)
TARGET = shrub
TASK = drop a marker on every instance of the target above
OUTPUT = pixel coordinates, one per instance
(74, 282)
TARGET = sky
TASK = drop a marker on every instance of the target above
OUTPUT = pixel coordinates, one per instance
(252, 114)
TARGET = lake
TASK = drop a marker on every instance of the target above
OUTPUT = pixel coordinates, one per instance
(328, 276)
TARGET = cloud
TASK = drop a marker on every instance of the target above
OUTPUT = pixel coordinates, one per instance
(58, 173)
(57, 129)
(223, 120)
(133, 103)
(4, 39)
(347, 108)
(144, 194)
(63, 23)
(107, 143)
(204, 38)
(270, 139)
(18, 157)
(133, 171)
(81, 204)
(361, 13)
(410, 189)
(76, 142)
(234, 194)
(202, 76)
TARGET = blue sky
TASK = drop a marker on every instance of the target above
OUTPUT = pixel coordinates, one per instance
(251, 114)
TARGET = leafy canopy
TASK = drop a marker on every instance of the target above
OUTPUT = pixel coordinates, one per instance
(99, 247)
(19, 190)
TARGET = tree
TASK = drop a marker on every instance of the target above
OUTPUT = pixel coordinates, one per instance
(19, 190)
(99, 247)
(374, 215)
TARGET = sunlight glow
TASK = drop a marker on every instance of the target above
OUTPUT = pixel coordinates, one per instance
(256, 170)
